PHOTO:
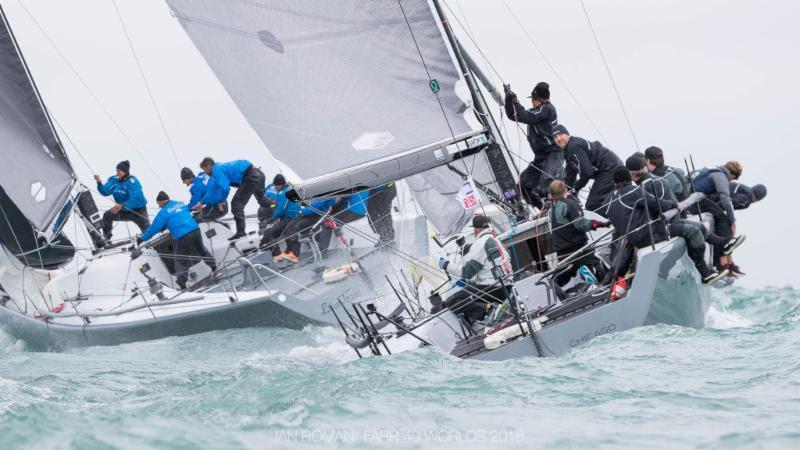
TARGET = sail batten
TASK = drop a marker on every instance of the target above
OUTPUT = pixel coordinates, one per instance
(336, 89)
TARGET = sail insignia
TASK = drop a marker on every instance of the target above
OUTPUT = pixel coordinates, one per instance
(271, 41)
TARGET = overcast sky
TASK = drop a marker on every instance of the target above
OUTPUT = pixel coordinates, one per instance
(715, 79)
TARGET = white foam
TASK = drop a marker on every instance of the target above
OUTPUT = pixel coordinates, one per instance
(723, 319)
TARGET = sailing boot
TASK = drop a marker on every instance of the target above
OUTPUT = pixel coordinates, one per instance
(711, 276)
(733, 244)
(240, 227)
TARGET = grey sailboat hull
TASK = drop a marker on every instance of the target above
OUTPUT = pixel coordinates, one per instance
(40, 334)
(666, 290)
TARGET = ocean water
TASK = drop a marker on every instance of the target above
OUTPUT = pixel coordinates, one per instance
(733, 384)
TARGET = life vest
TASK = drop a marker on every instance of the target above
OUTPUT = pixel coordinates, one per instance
(702, 182)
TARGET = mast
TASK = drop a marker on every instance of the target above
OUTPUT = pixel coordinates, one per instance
(494, 154)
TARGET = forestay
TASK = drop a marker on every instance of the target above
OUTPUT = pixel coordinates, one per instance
(347, 93)
(35, 173)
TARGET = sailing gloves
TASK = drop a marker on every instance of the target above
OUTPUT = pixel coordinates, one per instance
(598, 224)
(510, 95)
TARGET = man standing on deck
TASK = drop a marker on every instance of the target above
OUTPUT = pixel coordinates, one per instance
(176, 217)
(198, 185)
(248, 180)
(587, 161)
(130, 204)
(548, 161)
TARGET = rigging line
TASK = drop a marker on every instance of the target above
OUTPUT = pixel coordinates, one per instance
(608, 71)
(72, 143)
(90, 91)
(439, 100)
(146, 84)
(555, 72)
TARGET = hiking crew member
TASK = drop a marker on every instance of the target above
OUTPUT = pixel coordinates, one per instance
(379, 212)
(475, 270)
(548, 161)
(177, 218)
(630, 210)
(569, 231)
(716, 184)
(304, 222)
(743, 196)
(674, 178)
(587, 161)
(198, 185)
(285, 210)
(241, 174)
(130, 204)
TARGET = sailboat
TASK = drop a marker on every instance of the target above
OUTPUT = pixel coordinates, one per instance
(389, 95)
(53, 299)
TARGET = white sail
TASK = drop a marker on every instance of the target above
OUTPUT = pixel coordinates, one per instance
(348, 93)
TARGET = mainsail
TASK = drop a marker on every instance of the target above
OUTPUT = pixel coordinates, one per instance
(35, 174)
(348, 94)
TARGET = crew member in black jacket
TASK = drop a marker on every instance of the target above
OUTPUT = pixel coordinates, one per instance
(569, 232)
(587, 161)
(548, 161)
(630, 209)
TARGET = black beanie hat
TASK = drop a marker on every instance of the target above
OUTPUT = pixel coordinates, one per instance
(186, 174)
(480, 221)
(279, 180)
(124, 166)
(634, 163)
(759, 191)
(621, 175)
(541, 91)
(162, 196)
(560, 129)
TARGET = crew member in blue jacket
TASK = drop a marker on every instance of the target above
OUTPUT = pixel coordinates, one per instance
(177, 218)
(130, 204)
(285, 210)
(248, 180)
(351, 208)
(309, 216)
(198, 185)
(270, 198)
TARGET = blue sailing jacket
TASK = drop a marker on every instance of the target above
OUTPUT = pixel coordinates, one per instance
(198, 189)
(223, 176)
(357, 203)
(317, 207)
(175, 217)
(285, 208)
(127, 192)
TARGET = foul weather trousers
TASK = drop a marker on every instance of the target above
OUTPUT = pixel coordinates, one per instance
(253, 185)
(138, 216)
(188, 250)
